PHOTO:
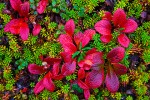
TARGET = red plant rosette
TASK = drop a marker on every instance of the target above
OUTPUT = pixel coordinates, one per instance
(53, 73)
(95, 78)
(120, 22)
(20, 25)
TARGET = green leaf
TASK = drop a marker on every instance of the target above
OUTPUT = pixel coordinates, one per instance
(81, 57)
(77, 88)
(80, 46)
(86, 48)
(75, 54)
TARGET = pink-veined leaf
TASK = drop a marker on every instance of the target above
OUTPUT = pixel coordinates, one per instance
(82, 85)
(103, 27)
(130, 26)
(15, 4)
(86, 94)
(111, 81)
(95, 78)
(48, 83)
(38, 87)
(107, 16)
(81, 73)
(35, 69)
(106, 38)
(24, 31)
(87, 36)
(42, 6)
(69, 27)
(119, 18)
(36, 29)
(116, 54)
(123, 40)
(24, 9)
(68, 68)
(119, 69)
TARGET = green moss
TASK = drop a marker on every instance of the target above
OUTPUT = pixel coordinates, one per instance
(129, 98)
(54, 95)
(71, 77)
(2, 88)
(65, 88)
(134, 9)
(92, 97)
(9, 84)
(146, 56)
(141, 90)
(45, 95)
(73, 97)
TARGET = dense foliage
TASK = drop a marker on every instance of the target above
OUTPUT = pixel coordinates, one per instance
(74, 49)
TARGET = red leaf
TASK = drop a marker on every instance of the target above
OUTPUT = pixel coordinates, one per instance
(95, 59)
(87, 36)
(67, 43)
(69, 27)
(116, 54)
(87, 65)
(35, 69)
(36, 29)
(48, 83)
(13, 26)
(24, 9)
(86, 94)
(92, 58)
(16, 25)
(130, 26)
(103, 27)
(119, 69)
(38, 87)
(15, 4)
(68, 68)
(81, 73)
(78, 38)
(55, 70)
(119, 18)
(24, 31)
(106, 38)
(58, 77)
(123, 40)
(82, 85)
(67, 57)
(69, 47)
(107, 16)
(51, 61)
(95, 78)
(112, 82)
(64, 38)
(41, 6)
(93, 50)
